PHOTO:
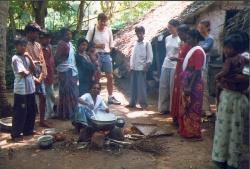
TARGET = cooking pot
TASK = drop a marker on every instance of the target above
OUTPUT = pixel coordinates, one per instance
(103, 120)
(45, 142)
(120, 122)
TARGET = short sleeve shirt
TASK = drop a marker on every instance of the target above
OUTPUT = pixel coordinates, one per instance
(22, 85)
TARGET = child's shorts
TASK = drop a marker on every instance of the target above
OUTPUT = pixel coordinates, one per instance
(105, 62)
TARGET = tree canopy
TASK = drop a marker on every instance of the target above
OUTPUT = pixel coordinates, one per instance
(75, 14)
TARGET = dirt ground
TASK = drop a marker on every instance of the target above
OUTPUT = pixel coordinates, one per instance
(178, 153)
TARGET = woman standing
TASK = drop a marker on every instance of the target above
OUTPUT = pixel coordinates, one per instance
(168, 68)
(189, 118)
(184, 48)
(233, 106)
(67, 76)
(86, 68)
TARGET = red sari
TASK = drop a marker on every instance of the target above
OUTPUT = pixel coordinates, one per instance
(176, 97)
(189, 117)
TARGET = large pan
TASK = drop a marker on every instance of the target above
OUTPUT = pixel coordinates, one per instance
(103, 121)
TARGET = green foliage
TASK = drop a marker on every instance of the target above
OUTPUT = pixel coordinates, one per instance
(63, 13)
(131, 11)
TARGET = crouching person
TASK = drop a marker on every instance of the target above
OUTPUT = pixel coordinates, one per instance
(25, 107)
(140, 61)
(89, 103)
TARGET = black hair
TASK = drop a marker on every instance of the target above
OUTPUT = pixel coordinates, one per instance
(95, 83)
(44, 34)
(20, 41)
(183, 28)
(195, 34)
(102, 17)
(139, 29)
(245, 38)
(91, 46)
(32, 27)
(206, 23)
(81, 40)
(174, 22)
(63, 31)
(234, 41)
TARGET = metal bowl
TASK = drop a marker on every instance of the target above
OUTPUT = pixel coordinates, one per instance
(120, 122)
(45, 142)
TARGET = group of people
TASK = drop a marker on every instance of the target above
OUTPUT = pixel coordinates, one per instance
(34, 66)
(181, 84)
(182, 81)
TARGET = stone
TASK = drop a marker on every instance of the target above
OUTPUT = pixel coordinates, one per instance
(97, 140)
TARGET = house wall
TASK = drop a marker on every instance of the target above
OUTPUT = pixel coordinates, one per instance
(217, 15)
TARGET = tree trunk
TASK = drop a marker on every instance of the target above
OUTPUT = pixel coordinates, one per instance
(40, 11)
(12, 24)
(80, 16)
(4, 105)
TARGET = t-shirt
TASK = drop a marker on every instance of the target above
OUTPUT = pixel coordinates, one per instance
(22, 85)
(172, 50)
(101, 37)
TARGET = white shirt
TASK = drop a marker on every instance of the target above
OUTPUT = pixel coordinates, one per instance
(22, 85)
(172, 50)
(99, 104)
(101, 37)
(246, 68)
(141, 55)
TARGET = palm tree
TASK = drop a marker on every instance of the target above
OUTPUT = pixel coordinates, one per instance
(4, 105)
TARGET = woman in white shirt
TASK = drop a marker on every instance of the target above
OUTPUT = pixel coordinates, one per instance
(168, 68)
(89, 103)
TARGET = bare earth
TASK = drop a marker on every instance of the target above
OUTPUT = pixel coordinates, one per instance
(178, 153)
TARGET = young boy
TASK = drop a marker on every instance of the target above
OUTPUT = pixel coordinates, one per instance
(25, 108)
(140, 61)
(45, 39)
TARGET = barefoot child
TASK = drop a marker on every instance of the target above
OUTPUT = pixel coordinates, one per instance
(140, 61)
(232, 106)
(25, 108)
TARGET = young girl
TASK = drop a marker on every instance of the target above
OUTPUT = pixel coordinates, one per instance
(25, 107)
(233, 105)
(234, 63)
(86, 68)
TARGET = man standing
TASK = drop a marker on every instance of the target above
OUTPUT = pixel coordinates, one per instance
(102, 37)
(35, 51)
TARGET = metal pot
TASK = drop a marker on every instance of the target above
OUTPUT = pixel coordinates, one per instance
(103, 120)
(120, 122)
(45, 142)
